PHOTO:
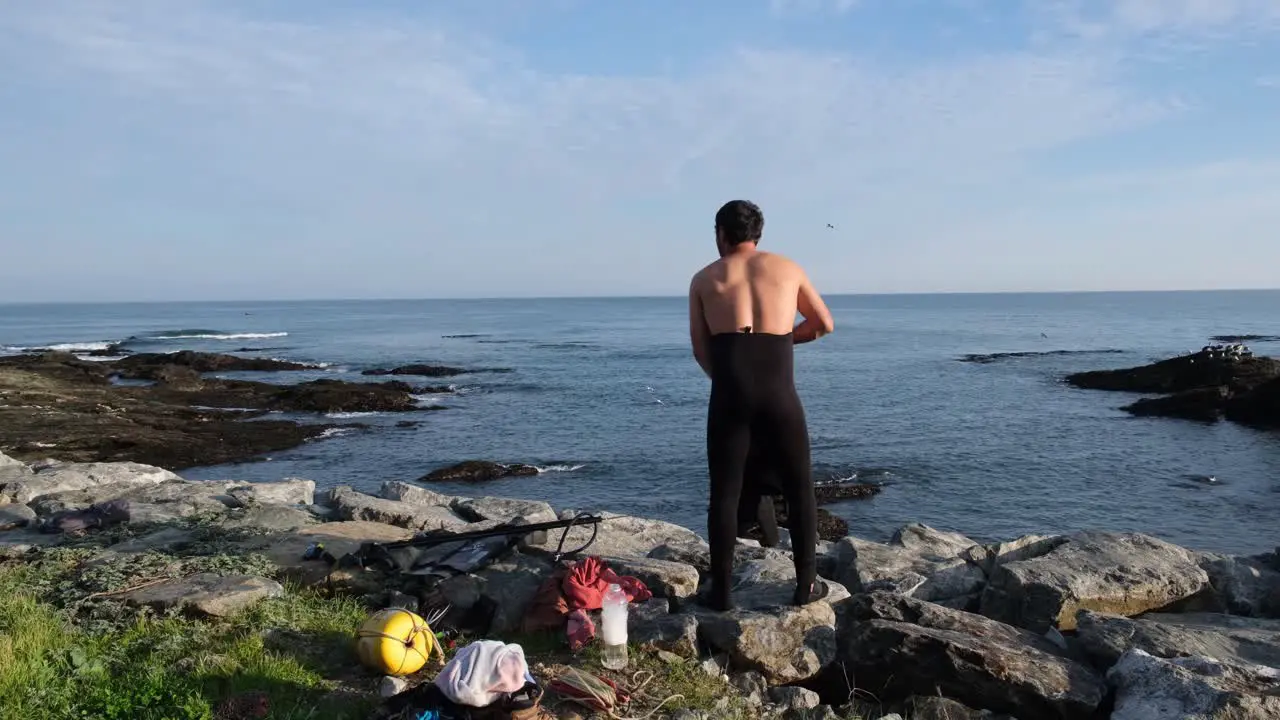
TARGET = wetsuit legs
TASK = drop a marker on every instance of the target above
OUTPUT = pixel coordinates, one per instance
(755, 505)
(728, 440)
(789, 459)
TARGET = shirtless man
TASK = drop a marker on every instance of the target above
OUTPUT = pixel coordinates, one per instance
(742, 311)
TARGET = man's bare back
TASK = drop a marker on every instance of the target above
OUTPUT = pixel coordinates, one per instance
(762, 291)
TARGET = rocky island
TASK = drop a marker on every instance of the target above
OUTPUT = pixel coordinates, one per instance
(930, 624)
(1208, 386)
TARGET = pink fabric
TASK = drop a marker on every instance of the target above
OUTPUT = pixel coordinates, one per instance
(586, 583)
(580, 630)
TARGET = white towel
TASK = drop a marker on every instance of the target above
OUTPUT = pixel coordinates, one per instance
(482, 672)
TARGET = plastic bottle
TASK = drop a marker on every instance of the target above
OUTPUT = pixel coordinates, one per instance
(613, 628)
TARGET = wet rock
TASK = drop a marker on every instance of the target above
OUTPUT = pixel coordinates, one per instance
(146, 365)
(478, 471)
(1202, 404)
(352, 505)
(1233, 339)
(896, 646)
(785, 643)
(795, 698)
(1151, 688)
(653, 625)
(207, 594)
(1179, 374)
(1259, 407)
(410, 493)
(16, 515)
(831, 527)
(920, 562)
(290, 491)
(1247, 586)
(504, 510)
(419, 371)
(986, 358)
(670, 580)
(333, 396)
(1118, 573)
(72, 477)
(1231, 639)
(830, 492)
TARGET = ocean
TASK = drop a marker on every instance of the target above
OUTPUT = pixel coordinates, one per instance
(605, 397)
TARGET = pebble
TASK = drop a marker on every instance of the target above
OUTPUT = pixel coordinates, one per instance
(392, 686)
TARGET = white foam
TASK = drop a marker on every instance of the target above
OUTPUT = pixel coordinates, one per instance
(334, 432)
(220, 336)
(101, 358)
(429, 401)
(350, 415)
(80, 347)
(559, 468)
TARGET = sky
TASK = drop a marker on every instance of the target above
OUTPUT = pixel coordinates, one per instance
(296, 149)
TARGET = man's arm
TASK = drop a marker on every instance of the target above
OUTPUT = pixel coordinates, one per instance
(699, 333)
(817, 318)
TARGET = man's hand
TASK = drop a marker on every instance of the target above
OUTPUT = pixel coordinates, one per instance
(817, 318)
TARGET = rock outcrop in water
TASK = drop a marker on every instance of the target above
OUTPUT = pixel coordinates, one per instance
(1201, 386)
(478, 471)
(144, 366)
(422, 370)
(986, 358)
(53, 405)
(1064, 628)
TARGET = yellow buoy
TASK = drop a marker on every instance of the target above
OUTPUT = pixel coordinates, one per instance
(394, 641)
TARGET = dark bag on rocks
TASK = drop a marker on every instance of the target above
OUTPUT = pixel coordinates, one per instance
(74, 522)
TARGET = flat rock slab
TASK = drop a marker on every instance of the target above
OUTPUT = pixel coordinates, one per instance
(271, 518)
(897, 645)
(357, 506)
(1116, 573)
(1151, 688)
(339, 538)
(624, 536)
(413, 494)
(61, 477)
(290, 491)
(207, 594)
(1228, 638)
(504, 510)
(652, 625)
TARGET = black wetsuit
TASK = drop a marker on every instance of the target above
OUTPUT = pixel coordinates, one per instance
(754, 409)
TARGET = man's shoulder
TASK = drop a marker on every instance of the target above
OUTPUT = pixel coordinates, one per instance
(706, 270)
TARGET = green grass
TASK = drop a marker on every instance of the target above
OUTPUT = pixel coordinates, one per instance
(296, 649)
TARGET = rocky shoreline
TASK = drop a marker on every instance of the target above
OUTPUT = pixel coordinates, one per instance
(930, 624)
(166, 409)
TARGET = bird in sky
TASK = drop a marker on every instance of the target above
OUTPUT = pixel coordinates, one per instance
(833, 227)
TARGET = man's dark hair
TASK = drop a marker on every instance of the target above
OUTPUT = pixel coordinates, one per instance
(740, 221)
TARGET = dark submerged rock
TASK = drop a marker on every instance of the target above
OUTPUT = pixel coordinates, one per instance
(478, 471)
(985, 358)
(830, 492)
(1245, 338)
(144, 366)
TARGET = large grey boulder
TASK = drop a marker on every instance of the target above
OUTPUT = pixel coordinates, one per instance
(352, 505)
(503, 510)
(1118, 573)
(206, 594)
(1238, 640)
(59, 477)
(621, 536)
(767, 634)
(1151, 688)
(16, 515)
(1244, 585)
(413, 494)
(895, 645)
(148, 502)
(992, 555)
(290, 491)
(510, 586)
(918, 562)
(652, 625)
(670, 580)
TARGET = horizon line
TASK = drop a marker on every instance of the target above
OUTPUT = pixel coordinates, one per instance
(935, 293)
